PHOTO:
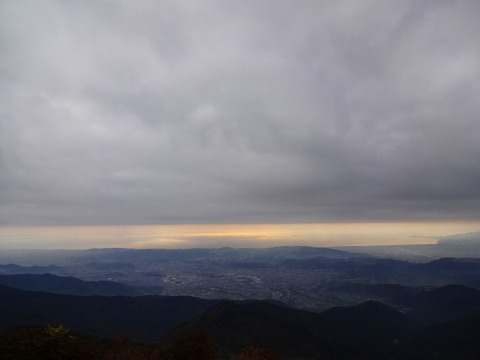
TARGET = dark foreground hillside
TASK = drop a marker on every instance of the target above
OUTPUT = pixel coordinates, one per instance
(364, 332)
(144, 318)
(50, 326)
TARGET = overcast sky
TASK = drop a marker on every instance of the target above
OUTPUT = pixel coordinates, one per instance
(171, 112)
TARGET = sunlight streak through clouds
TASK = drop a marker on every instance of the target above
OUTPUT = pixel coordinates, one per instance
(215, 236)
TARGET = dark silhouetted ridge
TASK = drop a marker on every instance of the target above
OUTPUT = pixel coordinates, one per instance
(144, 318)
(442, 304)
(67, 285)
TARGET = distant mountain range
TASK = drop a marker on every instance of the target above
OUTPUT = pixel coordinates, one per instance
(304, 277)
(456, 246)
(460, 239)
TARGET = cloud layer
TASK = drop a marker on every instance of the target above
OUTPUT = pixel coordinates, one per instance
(157, 112)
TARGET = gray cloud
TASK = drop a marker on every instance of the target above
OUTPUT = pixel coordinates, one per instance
(120, 112)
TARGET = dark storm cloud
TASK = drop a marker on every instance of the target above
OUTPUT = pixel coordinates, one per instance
(226, 111)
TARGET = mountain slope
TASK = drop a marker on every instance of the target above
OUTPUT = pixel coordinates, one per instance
(68, 285)
(441, 304)
(447, 341)
(144, 318)
(373, 321)
(339, 334)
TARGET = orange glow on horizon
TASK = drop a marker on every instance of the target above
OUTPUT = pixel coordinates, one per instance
(234, 235)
